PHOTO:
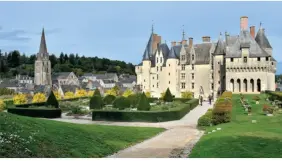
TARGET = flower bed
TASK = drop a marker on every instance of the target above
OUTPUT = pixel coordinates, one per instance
(145, 116)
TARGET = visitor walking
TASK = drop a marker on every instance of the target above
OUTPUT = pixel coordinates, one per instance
(210, 99)
(201, 100)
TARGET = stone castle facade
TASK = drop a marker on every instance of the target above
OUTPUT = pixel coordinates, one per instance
(241, 63)
(42, 65)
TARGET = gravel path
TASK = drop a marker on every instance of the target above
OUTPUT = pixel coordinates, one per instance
(177, 141)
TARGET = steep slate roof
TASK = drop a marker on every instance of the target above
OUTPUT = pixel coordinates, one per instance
(262, 40)
(202, 53)
(43, 53)
(105, 76)
(173, 52)
(220, 47)
(245, 40)
(87, 74)
(106, 81)
(61, 75)
(149, 49)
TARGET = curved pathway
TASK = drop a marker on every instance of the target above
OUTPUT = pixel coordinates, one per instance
(180, 135)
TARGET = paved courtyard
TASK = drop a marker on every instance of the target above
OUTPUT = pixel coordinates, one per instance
(180, 134)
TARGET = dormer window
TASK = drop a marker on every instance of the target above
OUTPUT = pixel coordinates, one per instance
(245, 59)
(161, 60)
(258, 58)
(182, 57)
(231, 59)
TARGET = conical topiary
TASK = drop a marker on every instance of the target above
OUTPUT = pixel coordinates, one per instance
(52, 100)
(97, 92)
(143, 103)
(96, 102)
(168, 96)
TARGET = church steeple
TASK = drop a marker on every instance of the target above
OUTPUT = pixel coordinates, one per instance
(43, 47)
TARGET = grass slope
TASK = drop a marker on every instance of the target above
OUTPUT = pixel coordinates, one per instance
(241, 138)
(31, 137)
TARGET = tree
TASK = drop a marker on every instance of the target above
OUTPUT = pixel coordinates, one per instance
(80, 93)
(62, 58)
(148, 94)
(39, 97)
(53, 60)
(52, 101)
(66, 58)
(143, 103)
(168, 96)
(14, 59)
(72, 59)
(20, 99)
(2, 105)
(127, 93)
(97, 92)
(96, 102)
(90, 93)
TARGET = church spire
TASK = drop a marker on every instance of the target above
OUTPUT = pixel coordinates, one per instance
(43, 47)
(152, 26)
(183, 33)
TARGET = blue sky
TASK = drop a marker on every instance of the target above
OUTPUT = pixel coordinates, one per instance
(120, 30)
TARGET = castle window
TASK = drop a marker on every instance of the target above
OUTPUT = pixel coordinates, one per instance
(183, 67)
(161, 60)
(168, 73)
(218, 82)
(157, 76)
(245, 59)
(231, 59)
(182, 57)
(144, 80)
(212, 86)
(182, 75)
(192, 85)
(266, 58)
(192, 75)
(157, 60)
(193, 57)
(168, 82)
(272, 63)
(192, 66)
(258, 58)
(169, 65)
(153, 86)
(157, 68)
(182, 85)
(153, 77)
(157, 85)
(160, 68)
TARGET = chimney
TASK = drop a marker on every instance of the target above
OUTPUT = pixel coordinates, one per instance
(206, 39)
(179, 43)
(173, 43)
(190, 41)
(244, 23)
(184, 42)
(253, 31)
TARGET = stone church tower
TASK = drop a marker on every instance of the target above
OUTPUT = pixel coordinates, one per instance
(42, 73)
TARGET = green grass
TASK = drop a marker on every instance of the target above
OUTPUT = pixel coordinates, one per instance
(46, 138)
(241, 138)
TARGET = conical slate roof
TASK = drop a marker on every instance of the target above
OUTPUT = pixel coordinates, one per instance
(220, 47)
(172, 54)
(262, 40)
(43, 47)
(149, 49)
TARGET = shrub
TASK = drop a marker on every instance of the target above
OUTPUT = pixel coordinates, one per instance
(69, 95)
(39, 97)
(57, 95)
(109, 99)
(37, 112)
(127, 93)
(80, 93)
(121, 103)
(168, 96)
(143, 103)
(97, 92)
(266, 108)
(90, 93)
(52, 101)
(221, 113)
(133, 99)
(20, 99)
(77, 111)
(96, 102)
(256, 98)
(148, 94)
(187, 94)
(2, 105)
(6, 91)
(206, 119)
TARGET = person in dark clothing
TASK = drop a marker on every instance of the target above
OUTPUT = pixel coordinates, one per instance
(210, 99)
(201, 100)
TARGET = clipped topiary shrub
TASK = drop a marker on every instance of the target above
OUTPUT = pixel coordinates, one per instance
(206, 119)
(168, 96)
(52, 100)
(97, 92)
(143, 103)
(133, 99)
(109, 99)
(96, 102)
(121, 103)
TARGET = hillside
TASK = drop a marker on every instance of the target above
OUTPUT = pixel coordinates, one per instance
(31, 137)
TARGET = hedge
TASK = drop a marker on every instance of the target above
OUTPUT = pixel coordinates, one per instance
(37, 112)
(206, 119)
(221, 112)
(145, 116)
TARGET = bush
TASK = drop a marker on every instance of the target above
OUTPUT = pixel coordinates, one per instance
(97, 92)
(133, 99)
(37, 112)
(148, 94)
(20, 99)
(69, 95)
(145, 116)
(80, 93)
(206, 119)
(221, 113)
(6, 91)
(109, 99)
(52, 101)
(121, 103)
(90, 93)
(2, 105)
(187, 94)
(39, 97)
(96, 102)
(267, 109)
(127, 93)
(143, 103)
(168, 96)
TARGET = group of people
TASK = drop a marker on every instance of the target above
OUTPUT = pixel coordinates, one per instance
(201, 99)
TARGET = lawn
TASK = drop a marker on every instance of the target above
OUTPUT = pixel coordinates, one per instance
(241, 138)
(32, 137)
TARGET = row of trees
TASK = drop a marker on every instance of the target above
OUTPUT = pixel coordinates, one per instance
(14, 62)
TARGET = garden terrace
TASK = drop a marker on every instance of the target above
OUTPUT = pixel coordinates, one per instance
(245, 136)
(158, 113)
(25, 137)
